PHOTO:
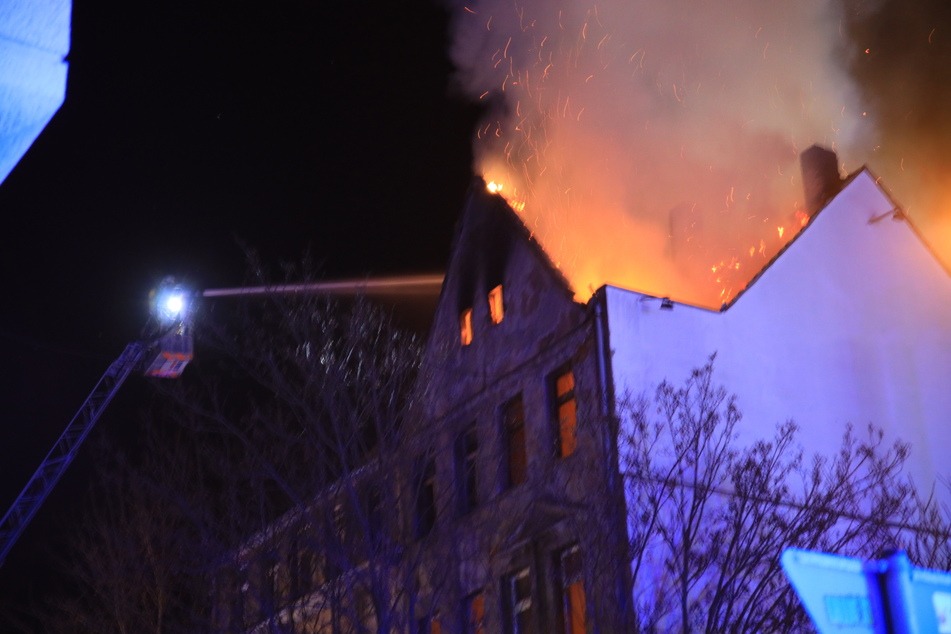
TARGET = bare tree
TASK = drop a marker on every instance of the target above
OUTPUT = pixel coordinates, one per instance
(273, 492)
(708, 517)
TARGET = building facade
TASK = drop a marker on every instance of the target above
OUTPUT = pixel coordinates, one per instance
(506, 511)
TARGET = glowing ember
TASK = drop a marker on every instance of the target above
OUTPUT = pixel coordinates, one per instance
(653, 145)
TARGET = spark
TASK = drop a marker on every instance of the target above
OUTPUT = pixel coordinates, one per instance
(551, 171)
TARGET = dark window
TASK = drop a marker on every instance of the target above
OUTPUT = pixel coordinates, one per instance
(565, 411)
(340, 522)
(373, 512)
(249, 592)
(304, 568)
(428, 625)
(517, 602)
(513, 435)
(467, 447)
(236, 601)
(336, 559)
(425, 480)
(475, 613)
(366, 613)
(572, 616)
(267, 591)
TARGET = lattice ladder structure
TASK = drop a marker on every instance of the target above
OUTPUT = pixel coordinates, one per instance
(65, 449)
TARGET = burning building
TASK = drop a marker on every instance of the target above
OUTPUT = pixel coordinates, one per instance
(850, 323)
(513, 515)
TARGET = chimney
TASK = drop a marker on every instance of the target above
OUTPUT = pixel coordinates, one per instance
(820, 177)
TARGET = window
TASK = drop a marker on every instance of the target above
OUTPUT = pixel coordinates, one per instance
(513, 436)
(337, 556)
(428, 625)
(365, 611)
(425, 517)
(565, 412)
(236, 600)
(517, 602)
(267, 592)
(373, 512)
(249, 610)
(496, 307)
(475, 613)
(573, 613)
(467, 447)
(304, 568)
(465, 327)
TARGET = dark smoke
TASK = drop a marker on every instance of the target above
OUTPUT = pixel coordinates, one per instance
(654, 144)
(898, 52)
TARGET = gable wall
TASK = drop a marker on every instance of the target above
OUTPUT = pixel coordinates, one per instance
(493, 247)
(564, 500)
(851, 324)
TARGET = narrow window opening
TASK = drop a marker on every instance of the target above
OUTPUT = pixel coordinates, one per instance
(465, 327)
(496, 306)
(268, 589)
(467, 447)
(518, 602)
(514, 440)
(305, 567)
(425, 498)
(340, 522)
(566, 413)
(573, 614)
(373, 510)
(475, 614)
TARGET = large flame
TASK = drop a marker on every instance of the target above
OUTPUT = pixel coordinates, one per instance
(654, 144)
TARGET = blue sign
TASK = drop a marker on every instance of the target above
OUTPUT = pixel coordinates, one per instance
(846, 595)
(837, 592)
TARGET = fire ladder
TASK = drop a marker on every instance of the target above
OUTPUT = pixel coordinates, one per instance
(167, 356)
(65, 449)
(164, 357)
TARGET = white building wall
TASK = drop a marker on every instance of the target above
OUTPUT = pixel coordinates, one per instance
(34, 42)
(851, 324)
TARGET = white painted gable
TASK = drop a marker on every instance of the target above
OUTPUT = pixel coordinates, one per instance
(852, 323)
(34, 42)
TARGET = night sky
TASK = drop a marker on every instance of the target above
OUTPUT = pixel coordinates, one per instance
(190, 128)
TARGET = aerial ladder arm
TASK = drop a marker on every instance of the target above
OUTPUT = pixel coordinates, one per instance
(65, 449)
(164, 357)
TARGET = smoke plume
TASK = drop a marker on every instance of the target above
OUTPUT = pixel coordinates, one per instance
(654, 144)
(899, 55)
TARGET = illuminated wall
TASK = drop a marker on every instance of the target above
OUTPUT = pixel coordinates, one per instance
(34, 42)
(851, 324)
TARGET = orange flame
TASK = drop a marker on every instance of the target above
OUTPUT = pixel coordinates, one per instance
(628, 162)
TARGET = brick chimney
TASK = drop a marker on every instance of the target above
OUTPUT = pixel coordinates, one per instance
(820, 177)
